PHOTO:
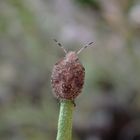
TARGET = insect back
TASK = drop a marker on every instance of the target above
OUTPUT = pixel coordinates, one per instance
(68, 75)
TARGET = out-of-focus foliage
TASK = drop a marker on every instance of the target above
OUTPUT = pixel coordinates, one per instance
(109, 106)
(90, 3)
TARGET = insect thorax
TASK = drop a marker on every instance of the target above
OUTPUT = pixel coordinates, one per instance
(71, 56)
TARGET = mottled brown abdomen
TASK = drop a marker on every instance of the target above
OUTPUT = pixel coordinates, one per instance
(67, 79)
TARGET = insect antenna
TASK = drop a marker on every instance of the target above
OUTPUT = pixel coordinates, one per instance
(60, 45)
(88, 45)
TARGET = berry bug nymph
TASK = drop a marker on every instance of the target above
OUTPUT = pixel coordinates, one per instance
(68, 75)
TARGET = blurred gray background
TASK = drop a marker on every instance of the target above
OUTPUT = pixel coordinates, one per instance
(109, 106)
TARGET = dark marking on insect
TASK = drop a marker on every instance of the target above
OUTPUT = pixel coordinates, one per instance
(68, 75)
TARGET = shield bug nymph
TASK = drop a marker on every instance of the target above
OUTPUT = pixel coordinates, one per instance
(68, 75)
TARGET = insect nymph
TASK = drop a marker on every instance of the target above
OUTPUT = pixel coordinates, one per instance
(68, 75)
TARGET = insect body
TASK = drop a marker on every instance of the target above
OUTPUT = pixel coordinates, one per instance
(68, 76)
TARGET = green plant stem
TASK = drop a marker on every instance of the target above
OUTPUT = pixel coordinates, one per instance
(64, 131)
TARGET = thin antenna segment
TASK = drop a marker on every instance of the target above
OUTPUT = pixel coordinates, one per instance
(60, 45)
(88, 45)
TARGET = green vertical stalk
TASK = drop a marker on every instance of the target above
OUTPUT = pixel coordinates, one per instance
(64, 131)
